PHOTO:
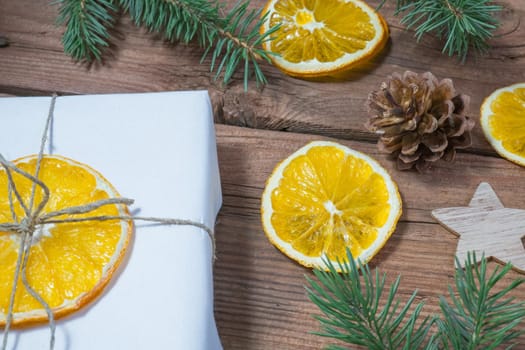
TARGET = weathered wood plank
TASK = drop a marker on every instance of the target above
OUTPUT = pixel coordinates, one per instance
(445, 184)
(259, 295)
(34, 64)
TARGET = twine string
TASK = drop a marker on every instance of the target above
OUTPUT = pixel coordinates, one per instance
(11, 207)
(26, 229)
(34, 293)
(9, 317)
(34, 219)
(83, 209)
(40, 155)
(12, 188)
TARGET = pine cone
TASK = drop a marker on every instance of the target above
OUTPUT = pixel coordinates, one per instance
(420, 119)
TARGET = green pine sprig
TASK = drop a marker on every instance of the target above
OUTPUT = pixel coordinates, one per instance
(232, 38)
(477, 317)
(462, 24)
(354, 311)
(87, 27)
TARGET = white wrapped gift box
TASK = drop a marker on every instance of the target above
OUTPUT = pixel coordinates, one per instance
(158, 149)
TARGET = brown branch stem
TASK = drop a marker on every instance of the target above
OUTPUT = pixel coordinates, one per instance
(453, 9)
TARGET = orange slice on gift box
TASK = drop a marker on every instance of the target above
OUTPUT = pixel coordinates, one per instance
(326, 198)
(319, 38)
(69, 264)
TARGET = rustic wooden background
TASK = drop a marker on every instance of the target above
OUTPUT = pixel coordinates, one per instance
(260, 301)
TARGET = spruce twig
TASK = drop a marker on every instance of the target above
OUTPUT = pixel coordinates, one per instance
(350, 303)
(478, 318)
(462, 24)
(87, 27)
(233, 40)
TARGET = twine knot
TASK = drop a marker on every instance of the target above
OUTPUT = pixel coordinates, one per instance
(27, 225)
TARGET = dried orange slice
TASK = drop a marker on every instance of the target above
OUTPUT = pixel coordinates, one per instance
(322, 37)
(325, 198)
(503, 122)
(69, 264)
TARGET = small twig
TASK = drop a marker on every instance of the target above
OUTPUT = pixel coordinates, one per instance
(243, 44)
(453, 9)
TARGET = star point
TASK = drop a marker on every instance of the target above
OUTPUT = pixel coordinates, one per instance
(487, 228)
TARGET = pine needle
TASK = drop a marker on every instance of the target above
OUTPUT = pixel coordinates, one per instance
(87, 27)
(233, 41)
(352, 312)
(478, 318)
(461, 24)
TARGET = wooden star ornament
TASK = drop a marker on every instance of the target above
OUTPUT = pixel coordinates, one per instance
(487, 227)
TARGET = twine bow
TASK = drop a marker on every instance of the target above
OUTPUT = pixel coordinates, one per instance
(34, 220)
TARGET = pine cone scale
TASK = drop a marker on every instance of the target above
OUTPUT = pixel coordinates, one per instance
(389, 145)
(435, 142)
(462, 142)
(458, 126)
(428, 124)
(410, 143)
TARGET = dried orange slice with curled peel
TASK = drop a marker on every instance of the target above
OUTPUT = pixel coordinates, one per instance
(325, 198)
(503, 122)
(319, 38)
(69, 263)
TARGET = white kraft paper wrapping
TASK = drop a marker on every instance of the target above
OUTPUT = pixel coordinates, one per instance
(158, 149)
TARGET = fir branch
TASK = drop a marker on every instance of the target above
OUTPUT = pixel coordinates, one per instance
(232, 40)
(462, 24)
(240, 40)
(227, 37)
(350, 303)
(478, 318)
(87, 27)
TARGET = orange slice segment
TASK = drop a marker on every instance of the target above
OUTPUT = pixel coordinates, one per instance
(69, 264)
(322, 37)
(325, 198)
(503, 122)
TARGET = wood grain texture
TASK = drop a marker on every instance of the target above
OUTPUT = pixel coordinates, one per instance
(487, 228)
(260, 301)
